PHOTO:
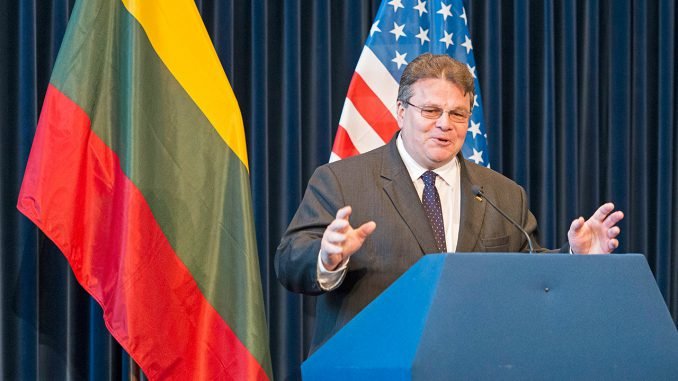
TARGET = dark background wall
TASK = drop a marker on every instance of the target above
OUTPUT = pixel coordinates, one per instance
(580, 103)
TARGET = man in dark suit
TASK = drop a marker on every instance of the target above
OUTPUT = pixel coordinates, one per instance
(409, 198)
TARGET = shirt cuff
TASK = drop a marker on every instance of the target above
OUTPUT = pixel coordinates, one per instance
(329, 280)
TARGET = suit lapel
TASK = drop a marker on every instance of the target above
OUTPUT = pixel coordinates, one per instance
(399, 188)
(472, 212)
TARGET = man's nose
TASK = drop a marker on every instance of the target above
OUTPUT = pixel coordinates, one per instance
(444, 122)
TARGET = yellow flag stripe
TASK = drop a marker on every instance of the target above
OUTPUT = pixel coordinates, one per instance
(178, 35)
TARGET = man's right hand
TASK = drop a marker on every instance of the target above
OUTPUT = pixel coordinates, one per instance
(340, 240)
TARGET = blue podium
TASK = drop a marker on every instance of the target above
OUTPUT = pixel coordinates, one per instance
(509, 316)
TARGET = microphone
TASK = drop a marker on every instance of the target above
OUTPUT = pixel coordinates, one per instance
(478, 191)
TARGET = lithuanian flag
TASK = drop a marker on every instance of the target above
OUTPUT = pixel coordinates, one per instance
(138, 172)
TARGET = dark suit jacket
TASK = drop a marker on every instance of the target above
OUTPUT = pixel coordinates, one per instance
(378, 187)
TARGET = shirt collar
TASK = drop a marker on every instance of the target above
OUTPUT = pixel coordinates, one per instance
(447, 172)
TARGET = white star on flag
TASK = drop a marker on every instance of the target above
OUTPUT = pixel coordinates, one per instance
(463, 16)
(399, 59)
(477, 156)
(445, 10)
(423, 35)
(472, 69)
(396, 4)
(474, 129)
(467, 44)
(447, 39)
(398, 30)
(374, 28)
(421, 7)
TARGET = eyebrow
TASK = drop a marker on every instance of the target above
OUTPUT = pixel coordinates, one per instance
(459, 108)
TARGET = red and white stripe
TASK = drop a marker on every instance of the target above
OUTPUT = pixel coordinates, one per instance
(368, 119)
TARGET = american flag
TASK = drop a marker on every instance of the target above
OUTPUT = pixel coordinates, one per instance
(403, 30)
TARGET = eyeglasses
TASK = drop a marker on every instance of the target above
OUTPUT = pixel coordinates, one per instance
(428, 112)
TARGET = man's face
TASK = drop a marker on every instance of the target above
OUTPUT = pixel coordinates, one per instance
(434, 142)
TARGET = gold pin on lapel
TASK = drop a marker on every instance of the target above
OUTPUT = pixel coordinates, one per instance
(478, 191)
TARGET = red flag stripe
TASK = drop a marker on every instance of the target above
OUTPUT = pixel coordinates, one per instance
(98, 207)
(343, 145)
(378, 78)
(362, 135)
(372, 109)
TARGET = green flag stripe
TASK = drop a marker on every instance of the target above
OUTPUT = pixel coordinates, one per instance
(197, 188)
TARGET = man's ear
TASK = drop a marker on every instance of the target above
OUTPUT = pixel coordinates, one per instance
(400, 114)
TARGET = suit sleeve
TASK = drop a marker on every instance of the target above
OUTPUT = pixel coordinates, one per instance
(296, 258)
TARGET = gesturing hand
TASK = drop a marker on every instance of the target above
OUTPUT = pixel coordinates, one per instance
(598, 234)
(340, 240)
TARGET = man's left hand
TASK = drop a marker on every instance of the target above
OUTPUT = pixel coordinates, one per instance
(598, 234)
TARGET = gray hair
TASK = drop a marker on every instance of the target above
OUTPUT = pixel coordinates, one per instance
(435, 66)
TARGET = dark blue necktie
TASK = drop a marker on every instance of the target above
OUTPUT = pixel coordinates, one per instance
(434, 211)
